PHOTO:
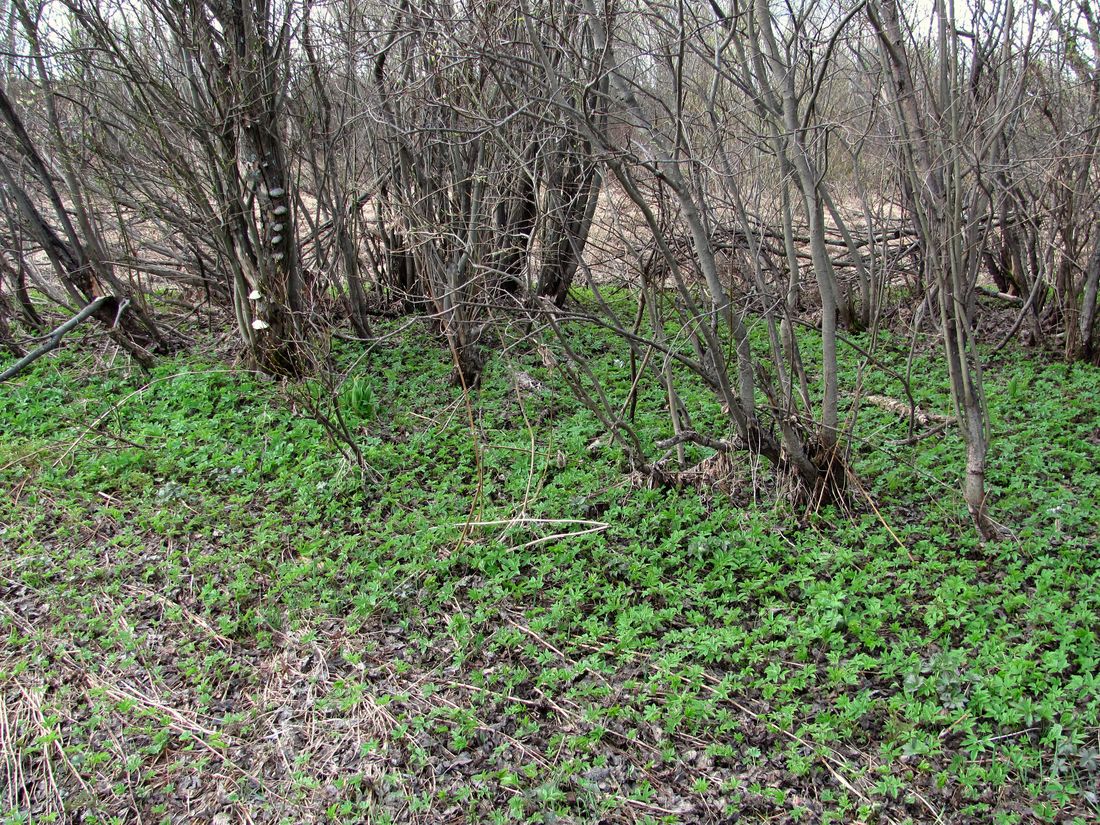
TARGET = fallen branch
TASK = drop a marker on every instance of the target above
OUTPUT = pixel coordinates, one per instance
(692, 437)
(914, 413)
(53, 340)
(988, 292)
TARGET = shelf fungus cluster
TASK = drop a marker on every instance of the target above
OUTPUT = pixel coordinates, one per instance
(255, 296)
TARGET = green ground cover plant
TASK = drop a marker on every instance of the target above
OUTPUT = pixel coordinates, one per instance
(210, 615)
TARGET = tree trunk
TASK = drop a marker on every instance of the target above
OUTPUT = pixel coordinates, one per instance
(936, 181)
(572, 195)
(7, 340)
(1089, 347)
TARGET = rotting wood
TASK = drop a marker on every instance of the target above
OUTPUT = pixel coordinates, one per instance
(914, 413)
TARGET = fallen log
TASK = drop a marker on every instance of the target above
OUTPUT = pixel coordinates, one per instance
(914, 413)
(987, 292)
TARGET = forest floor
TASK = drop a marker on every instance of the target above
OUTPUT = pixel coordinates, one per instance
(210, 616)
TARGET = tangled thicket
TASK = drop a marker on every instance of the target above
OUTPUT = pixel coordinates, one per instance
(306, 165)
